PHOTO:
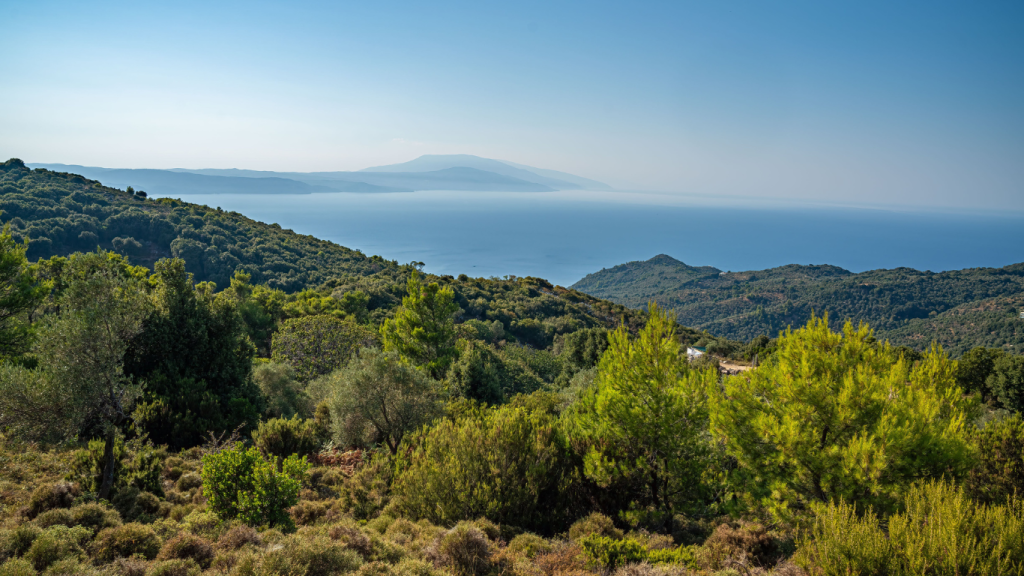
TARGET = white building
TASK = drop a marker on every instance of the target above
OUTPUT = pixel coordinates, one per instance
(695, 352)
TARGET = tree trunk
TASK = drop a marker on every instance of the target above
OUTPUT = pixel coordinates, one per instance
(108, 464)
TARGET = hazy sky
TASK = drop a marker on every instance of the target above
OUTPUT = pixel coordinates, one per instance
(914, 103)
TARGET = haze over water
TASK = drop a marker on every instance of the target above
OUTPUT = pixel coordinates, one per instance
(564, 236)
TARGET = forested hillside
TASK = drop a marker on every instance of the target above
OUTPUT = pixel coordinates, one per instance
(63, 213)
(960, 309)
(376, 421)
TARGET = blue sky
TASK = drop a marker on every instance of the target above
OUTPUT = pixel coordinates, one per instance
(909, 103)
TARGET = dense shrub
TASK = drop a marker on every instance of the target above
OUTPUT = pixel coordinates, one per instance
(95, 517)
(464, 550)
(58, 543)
(237, 537)
(480, 373)
(1007, 381)
(529, 545)
(240, 483)
(284, 395)
(510, 465)
(189, 481)
(136, 505)
(609, 553)
(317, 556)
(188, 546)
(17, 541)
(749, 542)
(940, 532)
(594, 524)
(50, 496)
(92, 516)
(124, 542)
(196, 359)
(280, 438)
(17, 567)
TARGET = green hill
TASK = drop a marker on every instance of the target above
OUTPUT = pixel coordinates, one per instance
(61, 213)
(960, 309)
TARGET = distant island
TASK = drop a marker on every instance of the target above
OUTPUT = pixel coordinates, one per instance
(959, 309)
(428, 172)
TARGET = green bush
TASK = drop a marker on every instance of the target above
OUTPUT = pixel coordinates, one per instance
(368, 491)
(95, 517)
(188, 546)
(17, 541)
(240, 483)
(509, 464)
(48, 497)
(609, 553)
(136, 465)
(125, 541)
(595, 524)
(17, 567)
(58, 543)
(529, 545)
(136, 505)
(940, 532)
(317, 556)
(189, 481)
(379, 398)
(283, 437)
(237, 537)
(55, 517)
(464, 550)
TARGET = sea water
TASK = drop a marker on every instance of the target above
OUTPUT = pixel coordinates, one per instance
(563, 236)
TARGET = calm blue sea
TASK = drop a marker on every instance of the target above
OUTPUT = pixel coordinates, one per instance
(563, 236)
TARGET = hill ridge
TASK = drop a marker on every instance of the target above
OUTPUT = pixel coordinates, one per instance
(908, 306)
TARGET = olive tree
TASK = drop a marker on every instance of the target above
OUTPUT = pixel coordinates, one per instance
(81, 382)
(378, 398)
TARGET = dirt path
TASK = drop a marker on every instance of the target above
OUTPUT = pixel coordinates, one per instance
(733, 367)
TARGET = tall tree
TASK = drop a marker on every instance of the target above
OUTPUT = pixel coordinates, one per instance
(318, 345)
(81, 382)
(644, 423)
(839, 415)
(20, 292)
(423, 329)
(196, 360)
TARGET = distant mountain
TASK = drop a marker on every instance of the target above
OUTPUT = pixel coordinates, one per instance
(455, 172)
(552, 178)
(960, 309)
(458, 178)
(177, 183)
